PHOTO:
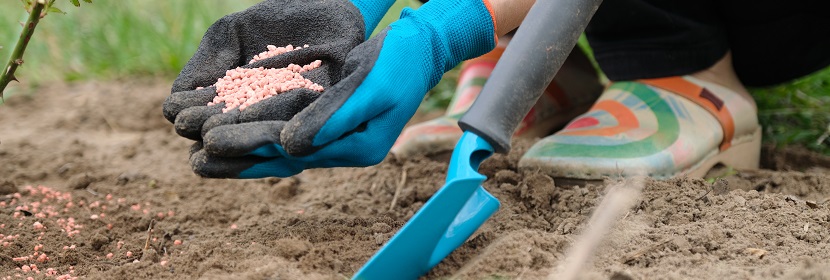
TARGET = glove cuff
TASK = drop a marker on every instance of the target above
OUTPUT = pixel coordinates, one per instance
(372, 11)
(465, 28)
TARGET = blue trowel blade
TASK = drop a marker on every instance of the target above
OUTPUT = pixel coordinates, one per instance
(445, 222)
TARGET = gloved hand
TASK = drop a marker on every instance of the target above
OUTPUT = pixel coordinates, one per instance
(355, 121)
(331, 28)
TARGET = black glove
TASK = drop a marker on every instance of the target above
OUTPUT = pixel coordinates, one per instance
(331, 28)
(355, 121)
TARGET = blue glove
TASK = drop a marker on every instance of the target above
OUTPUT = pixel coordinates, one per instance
(355, 122)
(332, 28)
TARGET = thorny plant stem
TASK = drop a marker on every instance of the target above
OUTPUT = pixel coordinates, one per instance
(17, 55)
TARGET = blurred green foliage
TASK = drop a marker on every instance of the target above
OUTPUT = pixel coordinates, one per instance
(110, 39)
(114, 39)
(797, 112)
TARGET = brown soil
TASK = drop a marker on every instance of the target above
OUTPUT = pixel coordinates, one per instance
(92, 140)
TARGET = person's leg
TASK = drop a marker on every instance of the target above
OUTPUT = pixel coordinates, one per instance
(675, 106)
(771, 41)
(775, 41)
(636, 39)
(641, 39)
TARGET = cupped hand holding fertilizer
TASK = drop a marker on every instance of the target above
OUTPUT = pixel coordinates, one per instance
(355, 120)
(238, 44)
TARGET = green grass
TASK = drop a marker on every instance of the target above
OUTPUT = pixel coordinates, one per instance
(115, 39)
(111, 39)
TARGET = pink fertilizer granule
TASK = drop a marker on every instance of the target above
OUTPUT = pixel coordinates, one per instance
(275, 51)
(242, 87)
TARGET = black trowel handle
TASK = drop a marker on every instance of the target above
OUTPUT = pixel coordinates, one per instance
(534, 55)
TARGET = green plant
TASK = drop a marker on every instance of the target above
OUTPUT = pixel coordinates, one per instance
(721, 173)
(797, 113)
(37, 9)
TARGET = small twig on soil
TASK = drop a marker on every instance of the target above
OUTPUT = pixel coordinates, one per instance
(93, 192)
(170, 260)
(760, 253)
(705, 194)
(719, 186)
(149, 234)
(619, 199)
(398, 190)
(639, 253)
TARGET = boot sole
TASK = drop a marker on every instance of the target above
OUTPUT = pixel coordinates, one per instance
(742, 156)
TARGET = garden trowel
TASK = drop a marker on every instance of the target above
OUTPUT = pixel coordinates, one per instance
(537, 51)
